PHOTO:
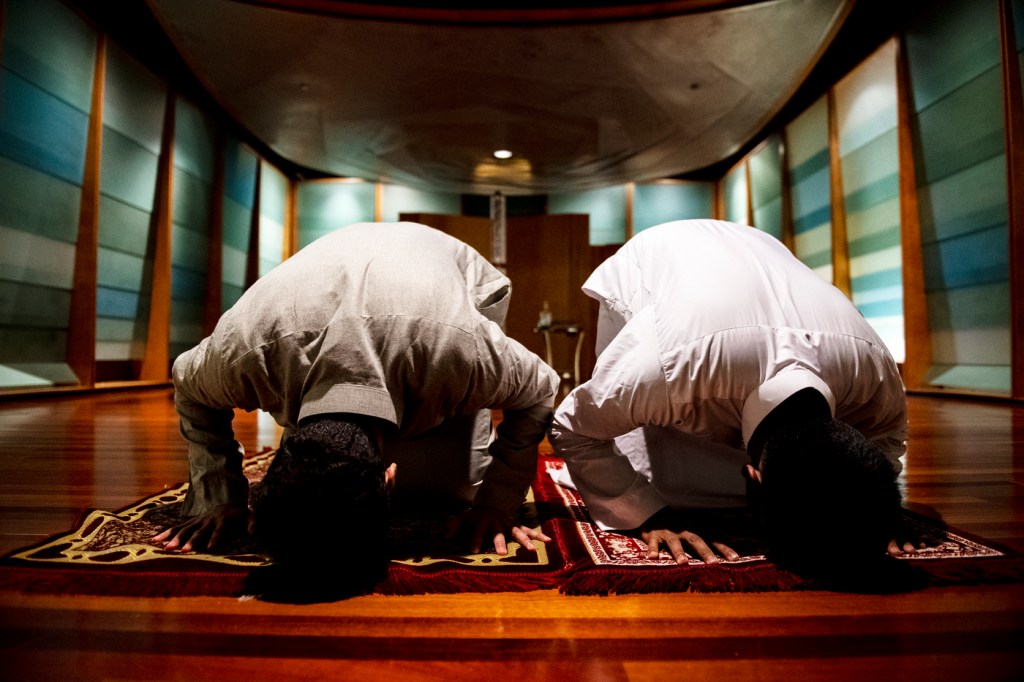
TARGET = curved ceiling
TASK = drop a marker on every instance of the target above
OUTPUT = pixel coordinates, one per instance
(421, 94)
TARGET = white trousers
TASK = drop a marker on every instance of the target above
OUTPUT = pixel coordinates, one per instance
(688, 472)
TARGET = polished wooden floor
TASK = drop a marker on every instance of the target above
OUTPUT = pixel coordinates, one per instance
(59, 456)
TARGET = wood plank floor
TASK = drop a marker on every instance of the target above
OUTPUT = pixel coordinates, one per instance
(59, 456)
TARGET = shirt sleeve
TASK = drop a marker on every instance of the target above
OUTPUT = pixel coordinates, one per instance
(879, 407)
(205, 416)
(888, 425)
(628, 390)
(526, 395)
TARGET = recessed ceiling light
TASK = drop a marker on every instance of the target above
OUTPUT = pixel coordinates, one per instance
(503, 154)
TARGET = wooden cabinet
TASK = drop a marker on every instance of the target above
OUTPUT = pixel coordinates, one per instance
(548, 259)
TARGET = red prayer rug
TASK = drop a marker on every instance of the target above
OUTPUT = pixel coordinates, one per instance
(605, 562)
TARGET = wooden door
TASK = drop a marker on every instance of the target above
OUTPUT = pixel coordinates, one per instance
(548, 260)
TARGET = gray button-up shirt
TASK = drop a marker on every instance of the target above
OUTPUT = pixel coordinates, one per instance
(390, 320)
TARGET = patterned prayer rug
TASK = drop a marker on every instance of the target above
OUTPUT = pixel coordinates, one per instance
(603, 562)
(111, 553)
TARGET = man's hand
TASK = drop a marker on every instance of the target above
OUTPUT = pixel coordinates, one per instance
(480, 522)
(655, 532)
(905, 542)
(209, 531)
(673, 542)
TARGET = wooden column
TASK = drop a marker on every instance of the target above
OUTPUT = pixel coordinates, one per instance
(916, 330)
(750, 192)
(215, 247)
(840, 248)
(1014, 125)
(80, 352)
(252, 260)
(630, 190)
(718, 199)
(291, 221)
(786, 194)
(156, 361)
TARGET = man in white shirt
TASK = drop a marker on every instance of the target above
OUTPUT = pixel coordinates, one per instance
(375, 344)
(716, 346)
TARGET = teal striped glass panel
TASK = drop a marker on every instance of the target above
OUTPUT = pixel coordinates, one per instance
(326, 205)
(735, 188)
(240, 165)
(46, 82)
(866, 119)
(273, 200)
(605, 207)
(133, 113)
(766, 186)
(398, 199)
(661, 202)
(810, 188)
(194, 151)
(955, 73)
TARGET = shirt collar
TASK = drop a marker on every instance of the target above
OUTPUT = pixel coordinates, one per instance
(773, 391)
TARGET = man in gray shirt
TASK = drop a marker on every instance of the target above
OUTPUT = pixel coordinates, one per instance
(378, 343)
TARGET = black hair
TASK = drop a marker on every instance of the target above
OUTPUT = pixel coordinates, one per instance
(322, 513)
(829, 498)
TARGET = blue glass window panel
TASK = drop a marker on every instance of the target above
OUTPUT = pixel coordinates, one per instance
(736, 195)
(657, 203)
(606, 208)
(20, 207)
(397, 199)
(325, 206)
(41, 131)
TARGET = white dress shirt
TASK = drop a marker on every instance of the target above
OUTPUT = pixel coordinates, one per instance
(705, 327)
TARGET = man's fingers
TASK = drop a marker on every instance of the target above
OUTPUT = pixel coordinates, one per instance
(700, 547)
(896, 548)
(653, 550)
(215, 536)
(523, 536)
(195, 541)
(499, 544)
(194, 536)
(674, 543)
(179, 537)
(535, 533)
(726, 551)
(675, 547)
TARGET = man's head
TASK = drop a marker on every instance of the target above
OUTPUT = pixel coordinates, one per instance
(322, 510)
(828, 496)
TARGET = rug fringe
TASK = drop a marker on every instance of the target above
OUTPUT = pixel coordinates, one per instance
(603, 581)
(767, 577)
